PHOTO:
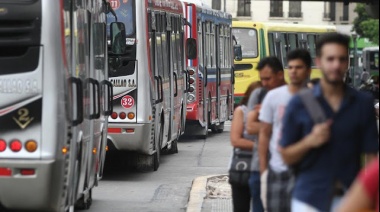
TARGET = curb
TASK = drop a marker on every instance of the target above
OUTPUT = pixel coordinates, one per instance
(198, 194)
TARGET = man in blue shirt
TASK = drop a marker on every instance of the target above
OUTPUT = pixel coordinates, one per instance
(328, 154)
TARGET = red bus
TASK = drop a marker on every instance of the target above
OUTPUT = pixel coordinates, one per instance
(210, 98)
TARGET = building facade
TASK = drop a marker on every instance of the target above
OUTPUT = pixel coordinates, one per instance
(316, 13)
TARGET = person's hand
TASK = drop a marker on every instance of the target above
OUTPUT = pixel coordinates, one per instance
(320, 134)
(257, 108)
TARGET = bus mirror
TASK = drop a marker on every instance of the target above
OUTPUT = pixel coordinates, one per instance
(238, 53)
(118, 38)
(191, 49)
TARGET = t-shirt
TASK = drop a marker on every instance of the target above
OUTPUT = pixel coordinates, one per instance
(256, 97)
(369, 178)
(353, 133)
(272, 112)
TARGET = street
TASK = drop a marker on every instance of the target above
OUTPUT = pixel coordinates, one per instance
(168, 188)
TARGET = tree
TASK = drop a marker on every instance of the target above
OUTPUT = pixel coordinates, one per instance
(365, 26)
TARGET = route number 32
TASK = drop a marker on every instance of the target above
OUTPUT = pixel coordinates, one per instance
(127, 102)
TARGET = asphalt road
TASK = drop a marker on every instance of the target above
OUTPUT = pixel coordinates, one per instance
(167, 189)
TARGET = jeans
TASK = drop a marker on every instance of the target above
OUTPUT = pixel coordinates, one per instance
(254, 184)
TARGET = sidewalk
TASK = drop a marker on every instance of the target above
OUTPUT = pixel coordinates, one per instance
(210, 194)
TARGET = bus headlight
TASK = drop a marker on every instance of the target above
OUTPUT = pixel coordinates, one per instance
(190, 98)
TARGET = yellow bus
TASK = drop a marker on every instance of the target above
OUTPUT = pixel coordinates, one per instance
(260, 40)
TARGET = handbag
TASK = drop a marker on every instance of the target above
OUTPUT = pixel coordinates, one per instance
(240, 169)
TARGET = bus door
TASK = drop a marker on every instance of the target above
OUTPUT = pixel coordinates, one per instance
(218, 71)
(201, 72)
(166, 78)
(81, 71)
(175, 50)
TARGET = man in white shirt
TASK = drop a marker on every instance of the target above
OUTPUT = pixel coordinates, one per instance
(272, 111)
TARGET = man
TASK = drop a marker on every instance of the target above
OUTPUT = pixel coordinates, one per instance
(271, 115)
(327, 156)
(272, 76)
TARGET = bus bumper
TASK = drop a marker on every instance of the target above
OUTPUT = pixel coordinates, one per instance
(41, 191)
(192, 112)
(131, 137)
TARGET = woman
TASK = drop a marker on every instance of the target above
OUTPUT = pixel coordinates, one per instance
(243, 145)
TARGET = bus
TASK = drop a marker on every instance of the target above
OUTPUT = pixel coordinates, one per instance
(259, 40)
(370, 61)
(210, 99)
(149, 82)
(55, 102)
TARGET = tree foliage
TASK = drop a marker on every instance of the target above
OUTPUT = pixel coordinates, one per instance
(365, 26)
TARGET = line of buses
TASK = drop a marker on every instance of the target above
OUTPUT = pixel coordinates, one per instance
(79, 78)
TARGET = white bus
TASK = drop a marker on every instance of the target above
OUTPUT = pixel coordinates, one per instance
(149, 81)
(55, 99)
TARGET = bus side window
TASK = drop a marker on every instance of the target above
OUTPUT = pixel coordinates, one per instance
(208, 46)
(311, 47)
(272, 51)
(292, 40)
(284, 48)
(200, 47)
(213, 47)
(221, 46)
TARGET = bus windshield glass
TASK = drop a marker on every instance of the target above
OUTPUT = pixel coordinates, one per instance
(247, 38)
(374, 60)
(124, 10)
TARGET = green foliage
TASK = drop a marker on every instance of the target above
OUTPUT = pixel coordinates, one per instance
(365, 26)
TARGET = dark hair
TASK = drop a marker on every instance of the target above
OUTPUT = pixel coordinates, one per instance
(253, 86)
(301, 54)
(273, 62)
(333, 37)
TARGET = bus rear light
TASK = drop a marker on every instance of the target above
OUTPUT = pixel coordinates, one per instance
(5, 172)
(114, 115)
(107, 148)
(123, 115)
(131, 116)
(3, 145)
(191, 89)
(15, 146)
(130, 130)
(31, 146)
(27, 172)
(191, 72)
(94, 151)
(114, 130)
(192, 80)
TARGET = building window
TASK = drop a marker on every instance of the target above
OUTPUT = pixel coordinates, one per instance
(244, 8)
(295, 9)
(345, 16)
(217, 4)
(276, 9)
(332, 11)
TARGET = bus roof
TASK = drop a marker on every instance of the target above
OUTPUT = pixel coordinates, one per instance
(284, 27)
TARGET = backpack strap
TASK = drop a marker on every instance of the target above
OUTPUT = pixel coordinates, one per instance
(262, 94)
(312, 105)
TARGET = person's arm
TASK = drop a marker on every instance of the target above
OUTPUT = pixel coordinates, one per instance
(356, 200)
(369, 138)
(237, 129)
(363, 193)
(294, 153)
(253, 124)
(264, 138)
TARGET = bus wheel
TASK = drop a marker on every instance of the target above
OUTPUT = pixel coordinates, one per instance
(84, 203)
(220, 128)
(157, 155)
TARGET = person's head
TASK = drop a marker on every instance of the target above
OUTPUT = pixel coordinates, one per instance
(248, 92)
(333, 56)
(313, 82)
(299, 66)
(271, 72)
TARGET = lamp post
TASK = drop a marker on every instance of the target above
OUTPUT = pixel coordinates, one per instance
(355, 71)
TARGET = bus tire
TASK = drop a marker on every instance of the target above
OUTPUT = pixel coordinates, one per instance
(157, 155)
(82, 203)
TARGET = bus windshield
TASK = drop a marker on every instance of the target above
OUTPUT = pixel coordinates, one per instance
(125, 13)
(247, 38)
(374, 60)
